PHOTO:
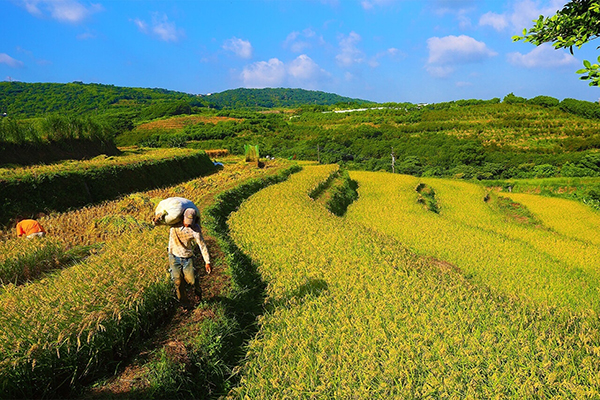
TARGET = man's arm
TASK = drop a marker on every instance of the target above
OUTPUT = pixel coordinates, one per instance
(20, 231)
(203, 248)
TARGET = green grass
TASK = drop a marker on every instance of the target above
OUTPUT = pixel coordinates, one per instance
(583, 189)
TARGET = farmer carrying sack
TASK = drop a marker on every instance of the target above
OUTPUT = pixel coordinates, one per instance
(170, 211)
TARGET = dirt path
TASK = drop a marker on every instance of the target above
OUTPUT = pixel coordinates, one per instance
(132, 381)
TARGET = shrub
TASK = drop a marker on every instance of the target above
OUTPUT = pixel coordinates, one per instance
(544, 101)
(581, 108)
(251, 153)
(343, 195)
(512, 99)
(545, 171)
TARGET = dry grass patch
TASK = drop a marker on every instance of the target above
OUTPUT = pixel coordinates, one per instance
(179, 122)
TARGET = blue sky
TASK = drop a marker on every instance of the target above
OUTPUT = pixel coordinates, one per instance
(380, 50)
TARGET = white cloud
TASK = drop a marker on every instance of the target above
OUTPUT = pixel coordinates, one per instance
(86, 36)
(349, 54)
(11, 62)
(457, 50)
(61, 10)
(164, 29)
(300, 72)
(370, 4)
(298, 42)
(160, 27)
(443, 7)
(544, 56)
(142, 25)
(392, 52)
(303, 67)
(526, 11)
(457, 8)
(448, 52)
(523, 14)
(304, 72)
(264, 74)
(439, 71)
(240, 47)
(497, 21)
(464, 22)
(461, 84)
(29, 54)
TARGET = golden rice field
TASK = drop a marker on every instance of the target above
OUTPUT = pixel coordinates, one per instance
(21, 260)
(395, 301)
(567, 218)
(545, 265)
(75, 322)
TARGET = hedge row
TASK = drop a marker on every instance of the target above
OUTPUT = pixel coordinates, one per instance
(44, 152)
(72, 189)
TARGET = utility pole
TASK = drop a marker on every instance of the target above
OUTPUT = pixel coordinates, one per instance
(318, 155)
(393, 162)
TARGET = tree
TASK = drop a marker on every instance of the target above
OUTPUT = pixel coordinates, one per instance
(576, 24)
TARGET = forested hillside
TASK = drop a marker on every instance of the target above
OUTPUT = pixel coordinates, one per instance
(19, 99)
(497, 138)
(280, 97)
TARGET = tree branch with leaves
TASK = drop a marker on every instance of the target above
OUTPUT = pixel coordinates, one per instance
(575, 25)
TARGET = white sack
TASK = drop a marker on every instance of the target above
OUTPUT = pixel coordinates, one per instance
(170, 211)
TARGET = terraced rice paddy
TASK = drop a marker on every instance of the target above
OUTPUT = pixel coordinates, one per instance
(395, 301)
(538, 263)
(437, 293)
(130, 156)
(70, 325)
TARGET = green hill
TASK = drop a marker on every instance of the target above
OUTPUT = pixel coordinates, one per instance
(280, 97)
(19, 99)
(25, 100)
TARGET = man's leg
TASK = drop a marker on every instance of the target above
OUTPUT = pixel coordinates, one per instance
(176, 265)
(36, 235)
(189, 272)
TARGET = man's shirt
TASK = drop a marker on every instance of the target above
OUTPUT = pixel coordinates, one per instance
(28, 226)
(181, 242)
